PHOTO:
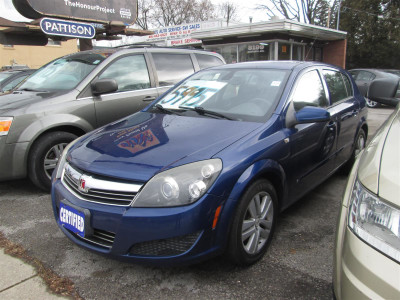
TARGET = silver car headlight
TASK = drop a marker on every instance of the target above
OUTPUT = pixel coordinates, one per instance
(375, 222)
(179, 186)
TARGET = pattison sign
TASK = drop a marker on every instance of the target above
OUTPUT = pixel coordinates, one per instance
(102, 11)
(67, 28)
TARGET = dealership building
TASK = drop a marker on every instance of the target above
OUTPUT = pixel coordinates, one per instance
(272, 40)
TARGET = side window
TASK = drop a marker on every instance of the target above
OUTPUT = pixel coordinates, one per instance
(354, 74)
(309, 91)
(336, 85)
(349, 87)
(207, 61)
(130, 72)
(365, 76)
(12, 84)
(172, 68)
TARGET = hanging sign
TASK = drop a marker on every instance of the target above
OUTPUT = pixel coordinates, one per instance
(67, 28)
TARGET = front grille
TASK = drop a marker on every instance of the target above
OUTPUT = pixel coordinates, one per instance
(96, 189)
(99, 237)
(165, 247)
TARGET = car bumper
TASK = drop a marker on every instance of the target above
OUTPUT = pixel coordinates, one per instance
(361, 272)
(162, 236)
(12, 160)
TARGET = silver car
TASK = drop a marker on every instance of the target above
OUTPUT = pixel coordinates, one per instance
(367, 248)
(77, 93)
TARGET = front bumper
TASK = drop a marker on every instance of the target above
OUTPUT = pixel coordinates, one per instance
(361, 272)
(175, 235)
(12, 159)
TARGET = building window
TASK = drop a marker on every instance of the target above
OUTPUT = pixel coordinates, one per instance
(284, 51)
(228, 52)
(53, 43)
(254, 52)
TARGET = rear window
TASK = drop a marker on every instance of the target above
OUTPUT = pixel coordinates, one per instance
(207, 61)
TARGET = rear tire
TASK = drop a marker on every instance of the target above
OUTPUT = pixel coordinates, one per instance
(44, 156)
(253, 224)
(359, 145)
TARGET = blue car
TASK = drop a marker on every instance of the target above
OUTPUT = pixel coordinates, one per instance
(207, 167)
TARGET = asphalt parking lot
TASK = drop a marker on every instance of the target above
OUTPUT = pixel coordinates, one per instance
(298, 264)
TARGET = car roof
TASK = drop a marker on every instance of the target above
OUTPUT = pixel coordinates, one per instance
(280, 64)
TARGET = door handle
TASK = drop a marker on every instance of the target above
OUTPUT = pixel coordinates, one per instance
(149, 98)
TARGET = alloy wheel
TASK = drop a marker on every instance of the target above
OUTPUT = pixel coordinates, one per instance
(257, 222)
(51, 158)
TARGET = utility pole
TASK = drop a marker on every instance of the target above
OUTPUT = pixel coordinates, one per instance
(338, 15)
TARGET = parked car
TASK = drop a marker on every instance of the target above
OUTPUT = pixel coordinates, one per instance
(209, 166)
(77, 93)
(364, 77)
(10, 79)
(367, 247)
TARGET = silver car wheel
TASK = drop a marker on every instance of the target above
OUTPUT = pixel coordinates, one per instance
(371, 104)
(257, 223)
(51, 158)
(360, 144)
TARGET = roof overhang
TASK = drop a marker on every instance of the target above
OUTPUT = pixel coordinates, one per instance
(288, 27)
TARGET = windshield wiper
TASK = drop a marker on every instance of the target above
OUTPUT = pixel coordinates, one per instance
(166, 110)
(29, 90)
(202, 111)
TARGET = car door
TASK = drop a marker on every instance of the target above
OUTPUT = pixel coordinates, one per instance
(344, 110)
(135, 88)
(312, 145)
(363, 81)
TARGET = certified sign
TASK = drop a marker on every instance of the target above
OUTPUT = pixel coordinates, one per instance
(67, 28)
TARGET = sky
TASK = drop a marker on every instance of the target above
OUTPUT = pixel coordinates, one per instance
(246, 9)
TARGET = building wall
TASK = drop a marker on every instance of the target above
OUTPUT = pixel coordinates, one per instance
(335, 53)
(35, 56)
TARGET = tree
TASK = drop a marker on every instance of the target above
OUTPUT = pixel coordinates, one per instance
(228, 11)
(307, 11)
(373, 33)
(145, 8)
(174, 12)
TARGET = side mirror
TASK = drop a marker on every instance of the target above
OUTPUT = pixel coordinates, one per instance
(384, 91)
(310, 114)
(104, 86)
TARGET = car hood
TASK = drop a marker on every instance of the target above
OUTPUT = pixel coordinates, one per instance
(19, 99)
(379, 169)
(144, 144)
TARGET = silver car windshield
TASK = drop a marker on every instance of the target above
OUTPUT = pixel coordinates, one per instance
(63, 73)
(238, 94)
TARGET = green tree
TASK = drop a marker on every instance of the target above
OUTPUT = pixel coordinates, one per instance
(373, 33)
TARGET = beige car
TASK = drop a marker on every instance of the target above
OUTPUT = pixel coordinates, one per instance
(367, 248)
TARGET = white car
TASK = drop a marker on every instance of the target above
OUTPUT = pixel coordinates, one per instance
(367, 248)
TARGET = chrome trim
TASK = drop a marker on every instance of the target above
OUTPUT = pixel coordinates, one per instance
(110, 191)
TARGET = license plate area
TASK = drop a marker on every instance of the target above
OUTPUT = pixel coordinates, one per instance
(75, 219)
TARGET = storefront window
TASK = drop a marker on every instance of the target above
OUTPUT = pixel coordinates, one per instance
(254, 52)
(283, 51)
(228, 52)
(298, 52)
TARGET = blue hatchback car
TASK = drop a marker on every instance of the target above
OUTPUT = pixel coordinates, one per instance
(208, 166)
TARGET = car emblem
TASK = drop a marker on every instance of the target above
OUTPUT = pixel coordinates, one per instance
(82, 185)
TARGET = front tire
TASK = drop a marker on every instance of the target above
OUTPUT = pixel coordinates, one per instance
(371, 104)
(253, 224)
(44, 156)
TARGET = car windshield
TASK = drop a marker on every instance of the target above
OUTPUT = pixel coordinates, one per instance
(4, 75)
(64, 73)
(238, 94)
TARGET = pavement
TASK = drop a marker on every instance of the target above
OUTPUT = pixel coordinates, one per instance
(19, 280)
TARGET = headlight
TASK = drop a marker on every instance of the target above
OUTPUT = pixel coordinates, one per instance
(63, 158)
(375, 222)
(179, 186)
(5, 124)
